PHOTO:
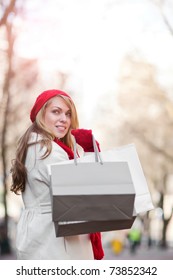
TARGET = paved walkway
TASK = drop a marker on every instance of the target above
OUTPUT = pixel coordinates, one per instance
(142, 253)
(11, 256)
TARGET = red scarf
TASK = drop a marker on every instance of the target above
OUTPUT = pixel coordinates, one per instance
(94, 237)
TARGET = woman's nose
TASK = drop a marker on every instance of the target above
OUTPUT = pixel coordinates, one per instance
(63, 117)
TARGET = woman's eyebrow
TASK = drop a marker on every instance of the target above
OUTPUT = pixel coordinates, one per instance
(59, 108)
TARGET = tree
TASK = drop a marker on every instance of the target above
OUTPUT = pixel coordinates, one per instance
(13, 84)
(142, 113)
(148, 120)
(5, 246)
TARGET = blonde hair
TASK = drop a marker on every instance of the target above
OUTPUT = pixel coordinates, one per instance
(18, 169)
(67, 139)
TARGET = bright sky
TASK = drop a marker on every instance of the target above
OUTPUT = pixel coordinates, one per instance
(88, 39)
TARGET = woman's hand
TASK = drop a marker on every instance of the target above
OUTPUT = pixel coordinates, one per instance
(84, 139)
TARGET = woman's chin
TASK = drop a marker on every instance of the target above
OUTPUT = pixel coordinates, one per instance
(60, 135)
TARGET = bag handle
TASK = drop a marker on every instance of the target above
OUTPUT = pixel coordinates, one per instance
(96, 151)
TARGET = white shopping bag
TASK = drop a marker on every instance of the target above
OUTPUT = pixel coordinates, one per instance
(128, 153)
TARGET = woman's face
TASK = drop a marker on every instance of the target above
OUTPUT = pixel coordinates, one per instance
(57, 117)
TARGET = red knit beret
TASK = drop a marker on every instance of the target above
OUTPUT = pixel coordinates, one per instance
(42, 99)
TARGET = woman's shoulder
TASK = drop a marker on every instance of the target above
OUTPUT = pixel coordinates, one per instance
(35, 138)
(38, 140)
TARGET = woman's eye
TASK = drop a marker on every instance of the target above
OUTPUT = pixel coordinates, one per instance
(55, 112)
(68, 114)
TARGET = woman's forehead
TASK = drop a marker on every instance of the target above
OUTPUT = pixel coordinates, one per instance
(58, 101)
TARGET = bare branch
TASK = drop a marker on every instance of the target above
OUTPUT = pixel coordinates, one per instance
(160, 5)
(150, 144)
(8, 10)
(167, 23)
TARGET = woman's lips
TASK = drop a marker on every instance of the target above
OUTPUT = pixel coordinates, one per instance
(61, 128)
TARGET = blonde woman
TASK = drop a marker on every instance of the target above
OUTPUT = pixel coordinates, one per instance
(48, 140)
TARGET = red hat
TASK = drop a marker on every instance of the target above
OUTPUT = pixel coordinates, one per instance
(42, 99)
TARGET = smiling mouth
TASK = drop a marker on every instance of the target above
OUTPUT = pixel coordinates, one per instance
(61, 128)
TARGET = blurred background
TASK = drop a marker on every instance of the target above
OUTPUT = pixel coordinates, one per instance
(114, 57)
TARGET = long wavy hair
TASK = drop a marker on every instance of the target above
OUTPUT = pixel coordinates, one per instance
(18, 169)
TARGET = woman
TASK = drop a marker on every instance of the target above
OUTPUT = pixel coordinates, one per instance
(48, 140)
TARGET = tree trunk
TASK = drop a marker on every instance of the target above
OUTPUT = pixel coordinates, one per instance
(4, 240)
(163, 241)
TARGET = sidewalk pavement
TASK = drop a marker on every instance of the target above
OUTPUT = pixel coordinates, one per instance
(142, 253)
(11, 256)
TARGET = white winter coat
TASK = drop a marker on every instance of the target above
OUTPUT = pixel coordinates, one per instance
(36, 237)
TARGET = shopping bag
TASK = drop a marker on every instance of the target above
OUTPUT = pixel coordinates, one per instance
(83, 227)
(91, 196)
(128, 153)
